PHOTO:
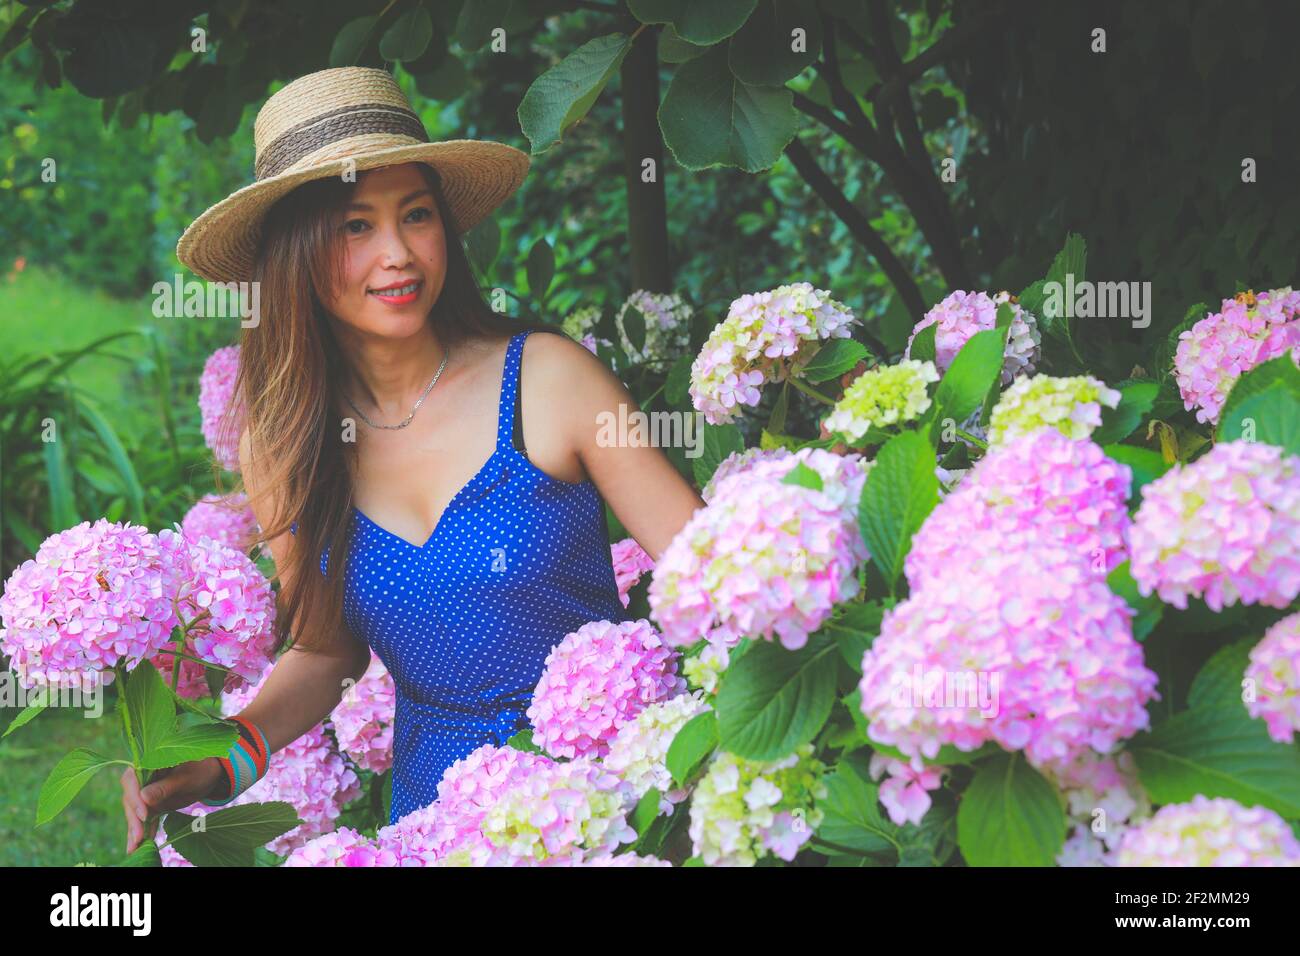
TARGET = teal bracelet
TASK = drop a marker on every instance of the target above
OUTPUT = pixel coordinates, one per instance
(246, 763)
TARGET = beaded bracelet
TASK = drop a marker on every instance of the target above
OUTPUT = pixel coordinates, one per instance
(246, 762)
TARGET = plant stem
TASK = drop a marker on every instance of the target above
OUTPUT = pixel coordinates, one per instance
(810, 391)
(972, 439)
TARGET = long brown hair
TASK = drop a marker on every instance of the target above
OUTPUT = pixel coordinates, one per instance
(289, 365)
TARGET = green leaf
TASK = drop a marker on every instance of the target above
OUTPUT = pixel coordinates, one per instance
(673, 49)
(146, 854)
(973, 372)
(677, 386)
(563, 94)
(804, 477)
(25, 715)
(478, 18)
(1164, 355)
(1218, 750)
(761, 52)
(447, 81)
(1271, 416)
(523, 740)
(634, 328)
(1146, 465)
(854, 627)
(709, 118)
(228, 837)
(483, 244)
(192, 743)
(1147, 610)
(834, 359)
(540, 269)
(1010, 816)
(696, 739)
(1219, 681)
(719, 442)
(66, 780)
(645, 811)
(114, 450)
(900, 491)
(922, 347)
(152, 713)
(1135, 401)
(351, 40)
(776, 422)
(408, 37)
(700, 23)
(772, 699)
(851, 814)
(1070, 261)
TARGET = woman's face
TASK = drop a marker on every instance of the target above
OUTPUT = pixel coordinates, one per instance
(395, 253)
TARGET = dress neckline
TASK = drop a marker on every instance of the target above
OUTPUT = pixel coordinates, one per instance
(503, 449)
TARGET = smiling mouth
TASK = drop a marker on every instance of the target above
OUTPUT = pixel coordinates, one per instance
(401, 292)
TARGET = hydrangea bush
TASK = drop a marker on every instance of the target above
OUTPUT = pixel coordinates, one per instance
(995, 588)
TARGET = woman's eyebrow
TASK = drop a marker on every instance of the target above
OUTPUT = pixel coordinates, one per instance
(405, 199)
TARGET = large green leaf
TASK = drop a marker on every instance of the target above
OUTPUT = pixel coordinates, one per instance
(922, 345)
(228, 837)
(1070, 261)
(851, 814)
(540, 268)
(1218, 750)
(762, 51)
(1219, 681)
(1135, 401)
(408, 37)
(478, 18)
(66, 780)
(900, 491)
(700, 23)
(973, 372)
(772, 699)
(351, 41)
(563, 94)
(834, 359)
(1145, 464)
(710, 118)
(719, 441)
(696, 739)
(854, 627)
(1271, 416)
(1010, 816)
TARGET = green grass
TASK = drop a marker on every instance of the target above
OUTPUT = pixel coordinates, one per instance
(92, 828)
(40, 312)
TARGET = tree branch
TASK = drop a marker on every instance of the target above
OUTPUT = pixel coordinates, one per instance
(857, 223)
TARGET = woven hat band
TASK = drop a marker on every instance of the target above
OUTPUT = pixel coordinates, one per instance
(346, 122)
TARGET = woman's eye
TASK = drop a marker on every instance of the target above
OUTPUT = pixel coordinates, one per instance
(424, 212)
(347, 226)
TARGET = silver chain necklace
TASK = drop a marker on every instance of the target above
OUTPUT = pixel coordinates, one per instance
(420, 401)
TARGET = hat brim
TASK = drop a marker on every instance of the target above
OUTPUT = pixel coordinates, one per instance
(476, 175)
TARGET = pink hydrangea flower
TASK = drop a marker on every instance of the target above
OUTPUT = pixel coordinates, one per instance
(467, 789)
(842, 475)
(1275, 670)
(93, 596)
(216, 395)
(1246, 332)
(363, 720)
(1103, 798)
(1210, 832)
(905, 794)
(1027, 647)
(597, 679)
(962, 314)
(231, 523)
(763, 558)
(1040, 486)
(630, 561)
(638, 754)
(341, 847)
(1225, 527)
(228, 609)
(547, 813)
(766, 336)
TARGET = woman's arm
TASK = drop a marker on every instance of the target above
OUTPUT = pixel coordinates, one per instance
(303, 687)
(643, 488)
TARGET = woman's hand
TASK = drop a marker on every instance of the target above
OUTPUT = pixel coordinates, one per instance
(170, 789)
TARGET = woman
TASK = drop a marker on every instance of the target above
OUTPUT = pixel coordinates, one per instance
(471, 534)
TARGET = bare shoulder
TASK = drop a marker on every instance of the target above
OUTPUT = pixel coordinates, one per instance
(559, 363)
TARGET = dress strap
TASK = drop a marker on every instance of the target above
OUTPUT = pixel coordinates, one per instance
(509, 389)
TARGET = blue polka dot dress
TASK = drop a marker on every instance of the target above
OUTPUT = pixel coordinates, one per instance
(464, 622)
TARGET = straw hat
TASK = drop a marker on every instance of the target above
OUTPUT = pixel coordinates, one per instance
(308, 128)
